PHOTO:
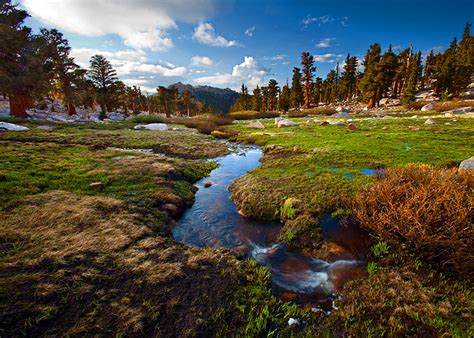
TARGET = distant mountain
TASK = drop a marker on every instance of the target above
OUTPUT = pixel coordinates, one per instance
(220, 99)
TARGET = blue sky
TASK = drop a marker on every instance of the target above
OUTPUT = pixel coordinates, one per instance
(227, 43)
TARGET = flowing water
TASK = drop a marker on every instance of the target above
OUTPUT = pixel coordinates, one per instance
(214, 221)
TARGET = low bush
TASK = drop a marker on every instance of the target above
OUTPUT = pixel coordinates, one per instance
(148, 119)
(428, 210)
(313, 111)
(414, 105)
(450, 105)
(204, 124)
(253, 114)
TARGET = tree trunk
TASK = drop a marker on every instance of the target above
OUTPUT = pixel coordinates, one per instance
(19, 104)
(371, 103)
(71, 109)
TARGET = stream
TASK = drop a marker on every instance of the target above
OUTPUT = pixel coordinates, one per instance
(214, 221)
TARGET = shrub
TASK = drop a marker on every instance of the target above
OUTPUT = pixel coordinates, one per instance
(148, 119)
(253, 114)
(450, 105)
(372, 267)
(313, 111)
(429, 210)
(380, 249)
(414, 105)
(204, 124)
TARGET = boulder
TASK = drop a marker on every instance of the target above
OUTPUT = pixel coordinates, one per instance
(342, 109)
(430, 121)
(448, 114)
(12, 127)
(256, 125)
(207, 184)
(336, 123)
(278, 119)
(286, 123)
(428, 107)
(463, 110)
(114, 116)
(342, 115)
(152, 126)
(415, 117)
(467, 164)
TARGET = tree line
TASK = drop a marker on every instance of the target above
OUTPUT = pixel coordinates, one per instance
(38, 66)
(380, 75)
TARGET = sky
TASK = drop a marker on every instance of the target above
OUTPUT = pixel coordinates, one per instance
(225, 43)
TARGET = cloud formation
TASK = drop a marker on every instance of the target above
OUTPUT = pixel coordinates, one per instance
(320, 20)
(249, 31)
(325, 43)
(249, 72)
(327, 57)
(205, 34)
(201, 61)
(142, 24)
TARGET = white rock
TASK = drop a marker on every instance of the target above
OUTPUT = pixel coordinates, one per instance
(467, 164)
(342, 109)
(463, 110)
(278, 119)
(116, 116)
(46, 128)
(293, 321)
(428, 107)
(286, 123)
(448, 114)
(430, 121)
(336, 123)
(152, 126)
(343, 115)
(12, 127)
(415, 117)
(256, 125)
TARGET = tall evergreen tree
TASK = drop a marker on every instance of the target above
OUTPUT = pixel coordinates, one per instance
(272, 92)
(369, 85)
(307, 61)
(284, 101)
(296, 90)
(257, 99)
(104, 78)
(349, 78)
(414, 77)
(386, 72)
(317, 88)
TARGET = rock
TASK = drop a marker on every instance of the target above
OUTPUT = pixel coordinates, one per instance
(12, 127)
(296, 149)
(342, 109)
(293, 321)
(46, 128)
(207, 184)
(278, 119)
(152, 126)
(430, 121)
(352, 126)
(448, 123)
(342, 115)
(428, 107)
(463, 110)
(415, 117)
(448, 114)
(114, 116)
(286, 123)
(323, 123)
(171, 209)
(467, 164)
(96, 185)
(389, 102)
(256, 125)
(336, 123)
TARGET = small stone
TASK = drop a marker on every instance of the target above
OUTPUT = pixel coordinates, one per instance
(293, 321)
(467, 164)
(428, 107)
(96, 185)
(352, 126)
(323, 123)
(430, 121)
(448, 114)
(45, 128)
(207, 184)
(256, 125)
(415, 117)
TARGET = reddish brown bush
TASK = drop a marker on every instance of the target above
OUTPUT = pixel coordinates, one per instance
(450, 105)
(430, 210)
(204, 124)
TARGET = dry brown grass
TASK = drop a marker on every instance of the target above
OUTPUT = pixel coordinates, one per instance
(205, 124)
(450, 105)
(313, 111)
(430, 210)
(252, 114)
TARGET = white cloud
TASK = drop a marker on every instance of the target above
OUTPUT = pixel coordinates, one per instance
(279, 57)
(325, 43)
(201, 61)
(320, 20)
(205, 34)
(249, 72)
(327, 57)
(118, 58)
(249, 31)
(140, 23)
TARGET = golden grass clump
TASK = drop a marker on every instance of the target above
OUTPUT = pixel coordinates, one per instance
(428, 209)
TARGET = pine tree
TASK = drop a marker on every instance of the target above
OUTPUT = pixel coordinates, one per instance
(445, 70)
(428, 72)
(307, 61)
(257, 99)
(284, 101)
(349, 78)
(23, 60)
(64, 70)
(465, 60)
(104, 77)
(317, 88)
(272, 92)
(415, 71)
(386, 72)
(369, 86)
(296, 90)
